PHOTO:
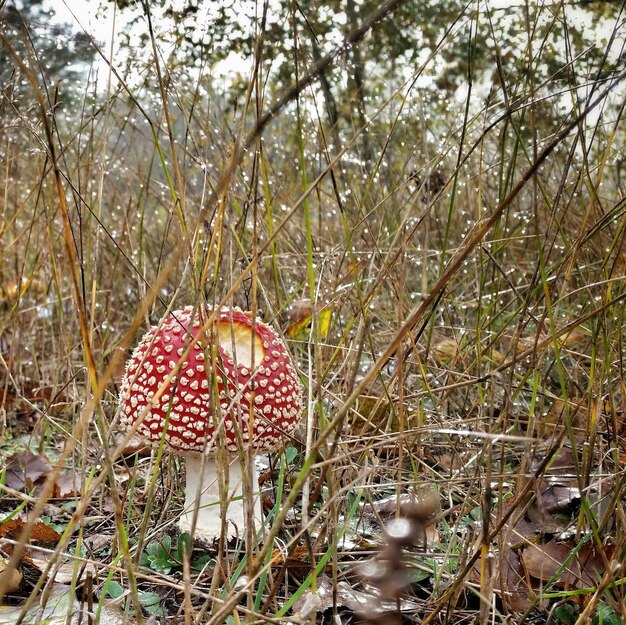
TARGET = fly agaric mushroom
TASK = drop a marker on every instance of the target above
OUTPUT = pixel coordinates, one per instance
(234, 384)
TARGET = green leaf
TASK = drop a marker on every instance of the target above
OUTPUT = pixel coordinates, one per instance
(607, 616)
(161, 565)
(183, 546)
(151, 602)
(566, 614)
(152, 549)
(290, 454)
(148, 599)
(419, 575)
(114, 590)
(200, 563)
(166, 544)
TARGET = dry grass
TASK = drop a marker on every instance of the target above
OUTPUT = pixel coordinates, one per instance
(465, 340)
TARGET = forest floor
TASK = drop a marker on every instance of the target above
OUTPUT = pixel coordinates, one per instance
(448, 275)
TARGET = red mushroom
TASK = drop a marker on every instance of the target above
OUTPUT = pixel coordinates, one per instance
(184, 388)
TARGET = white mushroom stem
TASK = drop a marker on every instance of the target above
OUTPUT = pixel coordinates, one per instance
(209, 522)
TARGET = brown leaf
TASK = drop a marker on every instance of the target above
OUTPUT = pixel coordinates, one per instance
(63, 570)
(444, 350)
(509, 580)
(133, 446)
(299, 318)
(575, 412)
(59, 606)
(41, 532)
(13, 579)
(388, 506)
(25, 468)
(545, 562)
(544, 522)
(298, 315)
(558, 498)
(67, 487)
(513, 584)
(365, 603)
(521, 533)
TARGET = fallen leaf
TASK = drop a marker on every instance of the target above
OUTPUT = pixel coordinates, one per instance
(299, 318)
(388, 506)
(133, 446)
(509, 580)
(558, 498)
(444, 350)
(297, 561)
(61, 608)
(14, 578)
(521, 533)
(25, 468)
(67, 487)
(311, 603)
(575, 413)
(64, 570)
(41, 532)
(9, 291)
(512, 583)
(546, 562)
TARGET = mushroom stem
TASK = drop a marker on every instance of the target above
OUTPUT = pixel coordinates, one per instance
(208, 524)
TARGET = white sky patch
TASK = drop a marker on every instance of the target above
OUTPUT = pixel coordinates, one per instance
(107, 24)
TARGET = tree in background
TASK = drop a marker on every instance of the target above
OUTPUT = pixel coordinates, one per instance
(54, 54)
(501, 49)
(36, 52)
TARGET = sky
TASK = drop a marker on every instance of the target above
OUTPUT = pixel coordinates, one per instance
(104, 22)
(96, 21)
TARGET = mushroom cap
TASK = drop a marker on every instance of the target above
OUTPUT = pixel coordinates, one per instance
(227, 378)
